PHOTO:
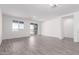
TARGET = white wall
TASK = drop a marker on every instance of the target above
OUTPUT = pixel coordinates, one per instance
(52, 28)
(68, 27)
(76, 27)
(0, 26)
(7, 27)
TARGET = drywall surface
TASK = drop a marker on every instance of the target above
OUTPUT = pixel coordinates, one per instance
(52, 28)
(7, 27)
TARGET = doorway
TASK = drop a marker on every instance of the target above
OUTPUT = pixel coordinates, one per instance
(67, 26)
(33, 29)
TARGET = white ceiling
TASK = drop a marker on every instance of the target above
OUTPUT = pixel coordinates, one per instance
(38, 11)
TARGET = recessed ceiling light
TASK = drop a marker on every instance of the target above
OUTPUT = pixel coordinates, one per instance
(34, 16)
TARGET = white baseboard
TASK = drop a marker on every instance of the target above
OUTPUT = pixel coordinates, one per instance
(15, 37)
(53, 36)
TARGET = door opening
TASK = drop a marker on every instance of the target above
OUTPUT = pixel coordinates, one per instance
(67, 26)
(33, 29)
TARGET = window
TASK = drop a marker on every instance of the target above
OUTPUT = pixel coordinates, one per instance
(17, 25)
(21, 25)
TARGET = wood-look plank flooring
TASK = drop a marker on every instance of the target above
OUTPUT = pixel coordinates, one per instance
(39, 45)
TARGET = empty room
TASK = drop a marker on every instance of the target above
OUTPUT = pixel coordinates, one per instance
(39, 29)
